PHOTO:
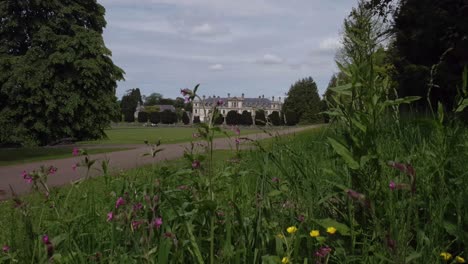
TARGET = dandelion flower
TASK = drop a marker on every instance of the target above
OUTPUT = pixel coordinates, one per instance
(331, 230)
(446, 256)
(285, 260)
(291, 229)
(460, 259)
(314, 233)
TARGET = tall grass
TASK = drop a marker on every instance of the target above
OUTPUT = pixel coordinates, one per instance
(294, 181)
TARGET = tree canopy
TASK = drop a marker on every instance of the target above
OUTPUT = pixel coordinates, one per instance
(57, 78)
(304, 100)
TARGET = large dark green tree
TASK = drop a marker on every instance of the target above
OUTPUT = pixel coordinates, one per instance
(303, 99)
(129, 104)
(430, 49)
(57, 78)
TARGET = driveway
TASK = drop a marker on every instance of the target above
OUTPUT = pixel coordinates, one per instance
(121, 160)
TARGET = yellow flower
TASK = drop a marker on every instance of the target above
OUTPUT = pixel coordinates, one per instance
(291, 229)
(460, 259)
(446, 256)
(280, 236)
(314, 233)
(331, 230)
(285, 260)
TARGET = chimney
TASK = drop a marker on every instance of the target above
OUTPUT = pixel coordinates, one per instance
(203, 97)
(229, 95)
(263, 96)
(259, 97)
(242, 95)
(272, 98)
(214, 96)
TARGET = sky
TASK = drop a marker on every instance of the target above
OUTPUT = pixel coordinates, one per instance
(255, 47)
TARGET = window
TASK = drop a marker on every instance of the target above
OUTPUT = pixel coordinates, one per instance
(224, 112)
(196, 111)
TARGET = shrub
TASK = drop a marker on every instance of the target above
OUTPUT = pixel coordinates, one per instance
(185, 118)
(275, 118)
(168, 117)
(260, 119)
(246, 118)
(291, 118)
(219, 119)
(142, 117)
(232, 118)
(155, 117)
(129, 117)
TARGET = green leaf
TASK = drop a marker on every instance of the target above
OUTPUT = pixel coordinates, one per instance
(343, 229)
(413, 256)
(341, 150)
(274, 193)
(440, 112)
(462, 106)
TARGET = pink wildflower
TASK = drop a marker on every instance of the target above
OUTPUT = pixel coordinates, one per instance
(74, 166)
(120, 201)
(137, 207)
(136, 224)
(301, 218)
(5, 248)
(323, 252)
(76, 151)
(237, 141)
(110, 216)
(187, 100)
(195, 164)
(45, 240)
(157, 222)
(52, 170)
(26, 177)
(392, 185)
(185, 91)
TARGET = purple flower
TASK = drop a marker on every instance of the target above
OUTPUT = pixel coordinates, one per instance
(195, 164)
(45, 240)
(185, 91)
(237, 141)
(220, 103)
(5, 248)
(110, 216)
(323, 252)
(52, 170)
(392, 185)
(187, 100)
(26, 177)
(157, 222)
(301, 218)
(76, 151)
(275, 179)
(136, 224)
(120, 201)
(137, 207)
(359, 197)
(74, 166)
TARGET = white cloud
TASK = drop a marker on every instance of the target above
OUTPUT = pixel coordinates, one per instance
(332, 43)
(207, 29)
(270, 59)
(217, 67)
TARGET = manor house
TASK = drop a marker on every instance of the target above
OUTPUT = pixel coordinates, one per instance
(238, 104)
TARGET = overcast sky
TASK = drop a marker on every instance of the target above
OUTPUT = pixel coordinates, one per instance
(254, 47)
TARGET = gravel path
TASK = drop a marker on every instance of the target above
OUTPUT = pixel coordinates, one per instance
(120, 160)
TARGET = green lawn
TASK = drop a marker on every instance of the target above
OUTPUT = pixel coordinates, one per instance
(25, 155)
(167, 135)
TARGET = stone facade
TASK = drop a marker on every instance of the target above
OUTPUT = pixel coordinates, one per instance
(238, 104)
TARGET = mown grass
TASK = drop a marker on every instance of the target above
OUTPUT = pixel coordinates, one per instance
(256, 195)
(167, 135)
(26, 155)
